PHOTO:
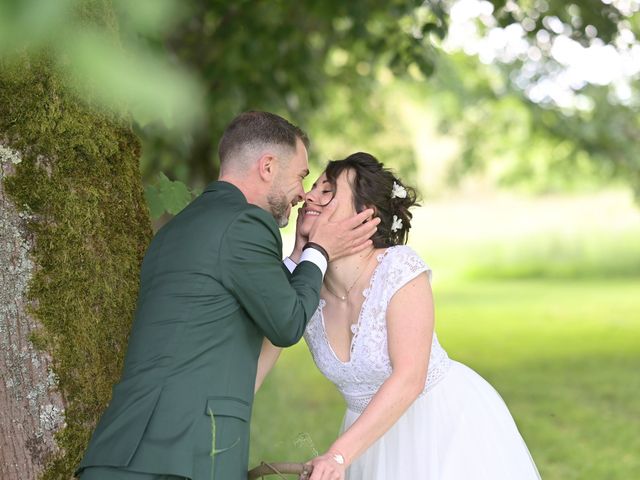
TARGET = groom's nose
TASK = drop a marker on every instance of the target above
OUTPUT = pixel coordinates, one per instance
(300, 195)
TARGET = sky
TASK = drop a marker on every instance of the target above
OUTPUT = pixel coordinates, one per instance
(574, 66)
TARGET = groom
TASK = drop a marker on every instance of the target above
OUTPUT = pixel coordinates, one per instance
(212, 286)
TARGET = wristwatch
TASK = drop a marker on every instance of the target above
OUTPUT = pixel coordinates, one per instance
(338, 458)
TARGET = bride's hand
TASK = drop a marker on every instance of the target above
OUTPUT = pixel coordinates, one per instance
(325, 467)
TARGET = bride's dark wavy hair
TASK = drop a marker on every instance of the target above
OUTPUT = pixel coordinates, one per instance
(371, 187)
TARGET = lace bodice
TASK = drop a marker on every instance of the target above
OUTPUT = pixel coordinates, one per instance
(369, 365)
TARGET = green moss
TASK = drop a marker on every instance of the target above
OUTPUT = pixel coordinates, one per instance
(80, 179)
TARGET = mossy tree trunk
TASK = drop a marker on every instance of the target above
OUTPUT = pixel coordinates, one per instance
(30, 406)
(74, 228)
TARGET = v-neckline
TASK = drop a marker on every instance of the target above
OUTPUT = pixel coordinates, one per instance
(380, 257)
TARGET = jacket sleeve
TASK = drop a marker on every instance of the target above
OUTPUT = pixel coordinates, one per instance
(251, 269)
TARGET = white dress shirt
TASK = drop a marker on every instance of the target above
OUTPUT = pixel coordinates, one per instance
(309, 255)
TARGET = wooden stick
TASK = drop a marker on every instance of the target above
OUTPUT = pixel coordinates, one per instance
(280, 469)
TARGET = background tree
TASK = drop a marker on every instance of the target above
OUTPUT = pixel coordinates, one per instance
(320, 64)
(285, 57)
(530, 108)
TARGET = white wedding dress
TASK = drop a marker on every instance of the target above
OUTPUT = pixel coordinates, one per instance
(459, 428)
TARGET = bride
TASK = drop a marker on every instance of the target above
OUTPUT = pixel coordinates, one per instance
(412, 412)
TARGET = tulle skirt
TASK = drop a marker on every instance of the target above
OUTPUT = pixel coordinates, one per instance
(460, 429)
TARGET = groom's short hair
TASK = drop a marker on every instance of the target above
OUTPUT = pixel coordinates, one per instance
(253, 131)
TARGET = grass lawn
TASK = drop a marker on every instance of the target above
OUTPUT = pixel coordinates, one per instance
(564, 354)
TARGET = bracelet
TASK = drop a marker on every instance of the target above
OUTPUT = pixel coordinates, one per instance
(318, 248)
(336, 456)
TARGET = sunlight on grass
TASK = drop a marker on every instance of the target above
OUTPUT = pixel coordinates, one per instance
(509, 236)
(563, 355)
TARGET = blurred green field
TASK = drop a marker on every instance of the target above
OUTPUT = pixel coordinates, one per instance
(551, 319)
(505, 236)
(565, 356)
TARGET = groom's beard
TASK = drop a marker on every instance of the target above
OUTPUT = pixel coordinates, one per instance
(279, 205)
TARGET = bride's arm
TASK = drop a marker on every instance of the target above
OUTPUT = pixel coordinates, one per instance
(410, 332)
(268, 356)
(269, 353)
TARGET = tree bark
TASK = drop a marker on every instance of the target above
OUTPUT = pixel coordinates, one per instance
(31, 409)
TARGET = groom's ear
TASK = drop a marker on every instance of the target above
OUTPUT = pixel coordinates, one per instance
(267, 166)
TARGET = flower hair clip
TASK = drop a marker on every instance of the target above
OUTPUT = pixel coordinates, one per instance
(396, 224)
(398, 191)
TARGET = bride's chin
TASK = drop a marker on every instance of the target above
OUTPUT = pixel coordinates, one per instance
(306, 225)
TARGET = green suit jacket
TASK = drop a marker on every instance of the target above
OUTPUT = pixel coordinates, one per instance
(212, 285)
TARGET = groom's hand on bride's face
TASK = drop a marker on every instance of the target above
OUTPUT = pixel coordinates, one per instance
(343, 237)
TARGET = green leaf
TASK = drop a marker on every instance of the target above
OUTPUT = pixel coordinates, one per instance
(136, 80)
(154, 201)
(175, 195)
(167, 196)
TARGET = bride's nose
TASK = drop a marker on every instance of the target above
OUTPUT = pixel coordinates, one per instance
(310, 197)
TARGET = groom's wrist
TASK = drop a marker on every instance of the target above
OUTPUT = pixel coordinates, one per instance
(314, 255)
(317, 247)
(290, 264)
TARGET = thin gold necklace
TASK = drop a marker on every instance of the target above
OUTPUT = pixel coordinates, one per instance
(344, 298)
